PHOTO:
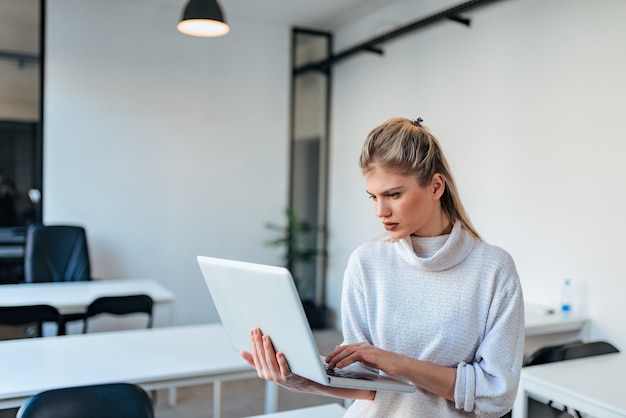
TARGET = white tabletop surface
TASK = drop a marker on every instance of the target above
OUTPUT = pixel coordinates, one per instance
(154, 358)
(72, 296)
(333, 410)
(593, 385)
(540, 323)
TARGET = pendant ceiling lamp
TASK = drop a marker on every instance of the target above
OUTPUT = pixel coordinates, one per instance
(203, 18)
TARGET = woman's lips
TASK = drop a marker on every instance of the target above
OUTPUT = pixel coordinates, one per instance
(390, 226)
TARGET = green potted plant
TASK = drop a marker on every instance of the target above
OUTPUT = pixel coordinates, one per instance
(296, 238)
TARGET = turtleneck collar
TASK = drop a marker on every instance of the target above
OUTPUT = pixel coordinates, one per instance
(437, 253)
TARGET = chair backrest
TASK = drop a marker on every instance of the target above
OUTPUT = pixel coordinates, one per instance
(589, 349)
(548, 354)
(56, 253)
(30, 315)
(570, 351)
(113, 400)
(119, 305)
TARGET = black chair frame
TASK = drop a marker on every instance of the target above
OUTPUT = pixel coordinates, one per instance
(119, 305)
(31, 314)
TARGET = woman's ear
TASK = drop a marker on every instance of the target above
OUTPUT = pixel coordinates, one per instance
(438, 185)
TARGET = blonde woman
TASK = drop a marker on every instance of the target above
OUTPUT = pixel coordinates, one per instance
(432, 304)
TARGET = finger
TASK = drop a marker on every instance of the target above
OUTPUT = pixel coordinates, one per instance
(270, 354)
(257, 352)
(285, 370)
(340, 353)
(334, 354)
(248, 357)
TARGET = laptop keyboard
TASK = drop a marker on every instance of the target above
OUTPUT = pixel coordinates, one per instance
(343, 373)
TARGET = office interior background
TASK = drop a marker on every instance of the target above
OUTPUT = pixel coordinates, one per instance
(166, 147)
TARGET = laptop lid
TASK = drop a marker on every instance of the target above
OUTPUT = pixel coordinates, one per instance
(248, 295)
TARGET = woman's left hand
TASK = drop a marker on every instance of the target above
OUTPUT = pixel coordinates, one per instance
(368, 355)
(270, 365)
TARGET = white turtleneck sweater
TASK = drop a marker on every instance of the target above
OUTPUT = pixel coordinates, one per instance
(451, 300)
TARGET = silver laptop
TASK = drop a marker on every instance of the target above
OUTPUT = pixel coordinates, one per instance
(248, 296)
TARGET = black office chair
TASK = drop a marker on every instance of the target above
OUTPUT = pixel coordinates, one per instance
(56, 253)
(113, 400)
(119, 305)
(32, 315)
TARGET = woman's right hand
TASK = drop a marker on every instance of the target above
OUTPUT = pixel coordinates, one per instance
(270, 365)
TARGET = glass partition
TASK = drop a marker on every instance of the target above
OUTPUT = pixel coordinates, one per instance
(310, 109)
(21, 117)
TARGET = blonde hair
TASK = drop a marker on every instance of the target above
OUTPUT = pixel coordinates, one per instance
(408, 148)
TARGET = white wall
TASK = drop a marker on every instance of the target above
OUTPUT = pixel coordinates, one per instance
(528, 104)
(164, 146)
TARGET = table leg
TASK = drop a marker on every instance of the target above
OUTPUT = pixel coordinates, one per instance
(271, 397)
(217, 399)
(171, 396)
(520, 408)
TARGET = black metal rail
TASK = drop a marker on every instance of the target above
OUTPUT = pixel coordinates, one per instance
(372, 45)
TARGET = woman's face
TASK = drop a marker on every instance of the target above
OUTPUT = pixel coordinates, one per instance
(404, 206)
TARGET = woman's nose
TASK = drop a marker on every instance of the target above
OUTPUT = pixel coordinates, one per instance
(382, 209)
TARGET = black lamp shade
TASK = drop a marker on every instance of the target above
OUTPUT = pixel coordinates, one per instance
(203, 18)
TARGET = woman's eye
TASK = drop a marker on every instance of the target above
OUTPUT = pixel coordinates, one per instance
(394, 195)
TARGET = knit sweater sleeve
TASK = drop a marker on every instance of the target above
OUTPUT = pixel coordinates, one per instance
(487, 385)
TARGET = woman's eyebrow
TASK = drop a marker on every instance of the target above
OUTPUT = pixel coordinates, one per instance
(388, 191)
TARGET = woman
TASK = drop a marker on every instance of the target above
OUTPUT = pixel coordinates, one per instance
(431, 304)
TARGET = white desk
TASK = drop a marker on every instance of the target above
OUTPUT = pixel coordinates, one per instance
(592, 385)
(155, 358)
(71, 297)
(541, 323)
(74, 296)
(544, 329)
(333, 410)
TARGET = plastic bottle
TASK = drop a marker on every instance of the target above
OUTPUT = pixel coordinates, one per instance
(566, 299)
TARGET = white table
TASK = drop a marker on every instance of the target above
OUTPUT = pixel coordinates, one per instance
(538, 323)
(593, 385)
(72, 297)
(543, 329)
(158, 358)
(333, 410)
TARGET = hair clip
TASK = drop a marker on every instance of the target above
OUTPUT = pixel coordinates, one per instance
(417, 122)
